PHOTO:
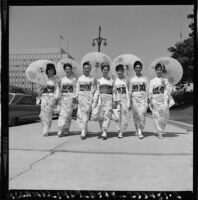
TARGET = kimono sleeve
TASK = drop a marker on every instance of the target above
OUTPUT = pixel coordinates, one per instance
(150, 89)
(77, 87)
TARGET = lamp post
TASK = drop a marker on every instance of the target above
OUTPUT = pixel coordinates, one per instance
(99, 40)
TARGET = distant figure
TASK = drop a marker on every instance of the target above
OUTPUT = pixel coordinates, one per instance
(160, 99)
(67, 95)
(49, 98)
(139, 98)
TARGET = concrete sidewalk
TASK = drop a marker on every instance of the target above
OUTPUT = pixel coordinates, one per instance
(69, 163)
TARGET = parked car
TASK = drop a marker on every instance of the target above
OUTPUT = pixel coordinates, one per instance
(22, 107)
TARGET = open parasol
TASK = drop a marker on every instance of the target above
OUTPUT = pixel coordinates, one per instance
(96, 59)
(35, 72)
(127, 60)
(173, 69)
(76, 69)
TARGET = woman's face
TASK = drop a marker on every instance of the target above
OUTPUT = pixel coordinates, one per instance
(105, 71)
(120, 73)
(51, 72)
(86, 69)
(159, 72)
(138, 69)
(68, 71)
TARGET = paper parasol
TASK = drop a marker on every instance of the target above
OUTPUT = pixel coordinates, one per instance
(127, 60)
(173, 69)
(35, 72)
(96, 59)
(76, 69)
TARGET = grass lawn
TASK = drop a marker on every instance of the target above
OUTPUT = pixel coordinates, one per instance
(182, 114)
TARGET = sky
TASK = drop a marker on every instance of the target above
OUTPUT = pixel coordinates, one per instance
(145, 31)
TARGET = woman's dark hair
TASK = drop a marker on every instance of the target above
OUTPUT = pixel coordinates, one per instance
(161, 66)
(137, 63)
(119, 67)
(86, 63)
(105, 64)
(67, 65)
(50, 66)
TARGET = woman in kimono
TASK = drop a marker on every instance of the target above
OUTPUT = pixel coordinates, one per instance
(85, 89)
(139, 98)
(122, 99)
(159, 98)
(49, 98)
(105, 90)
(67, 95)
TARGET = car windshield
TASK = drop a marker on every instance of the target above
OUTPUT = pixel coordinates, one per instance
(10, 97)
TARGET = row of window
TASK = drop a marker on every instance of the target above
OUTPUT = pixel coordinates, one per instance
(30, 57)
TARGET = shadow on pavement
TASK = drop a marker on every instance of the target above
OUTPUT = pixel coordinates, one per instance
(114, 134)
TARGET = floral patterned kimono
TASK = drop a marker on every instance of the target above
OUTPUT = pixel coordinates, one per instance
(48, 102)
(160, 98)
(85, 89)
(105, 89)
(139, 91)
(121, 95)
(67, 95)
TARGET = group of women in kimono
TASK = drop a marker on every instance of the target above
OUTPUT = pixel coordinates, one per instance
(105, 99)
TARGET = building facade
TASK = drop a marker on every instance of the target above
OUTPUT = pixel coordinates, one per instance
(20, 59)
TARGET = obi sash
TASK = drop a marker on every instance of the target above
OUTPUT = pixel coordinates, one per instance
(159, 90)
(106, 89)
(85, 87)
(49, 89)
(121, 90)
(139, 87)
(67, 89)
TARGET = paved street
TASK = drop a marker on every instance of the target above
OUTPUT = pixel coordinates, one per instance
(69, 163)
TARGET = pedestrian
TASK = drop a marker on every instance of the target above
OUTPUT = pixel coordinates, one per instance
(122, 99)
(49, 98)
(85, 89)
(105, 90)
(139, 98)
(159, 99)
(67, 97)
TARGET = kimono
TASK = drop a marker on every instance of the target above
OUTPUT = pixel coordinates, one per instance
(121, 95)
(48, 102)
(67, 96)
(85, 89)
(139, 102)
(160, 98)
(105, 90)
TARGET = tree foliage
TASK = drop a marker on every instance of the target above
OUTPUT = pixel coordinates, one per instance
(184, 53)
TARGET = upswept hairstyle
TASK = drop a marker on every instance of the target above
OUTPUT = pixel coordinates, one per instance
(50, 66)
(86, 63)
(119, 67)
(105, 64)
(161, 66)
(67, 65)
(137, 63)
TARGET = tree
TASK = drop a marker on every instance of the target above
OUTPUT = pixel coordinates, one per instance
(184, 53)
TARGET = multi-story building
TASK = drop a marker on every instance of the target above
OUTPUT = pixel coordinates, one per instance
(20, 59)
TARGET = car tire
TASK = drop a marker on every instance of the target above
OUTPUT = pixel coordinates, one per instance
(12, 121)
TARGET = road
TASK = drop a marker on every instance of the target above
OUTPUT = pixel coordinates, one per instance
(127, 164)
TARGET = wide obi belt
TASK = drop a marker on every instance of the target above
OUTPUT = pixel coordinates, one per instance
(121, 90)
(67, 89)
(49, 89)
(106, 89)
(159, 90)
(139, 88)
(85, 87)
